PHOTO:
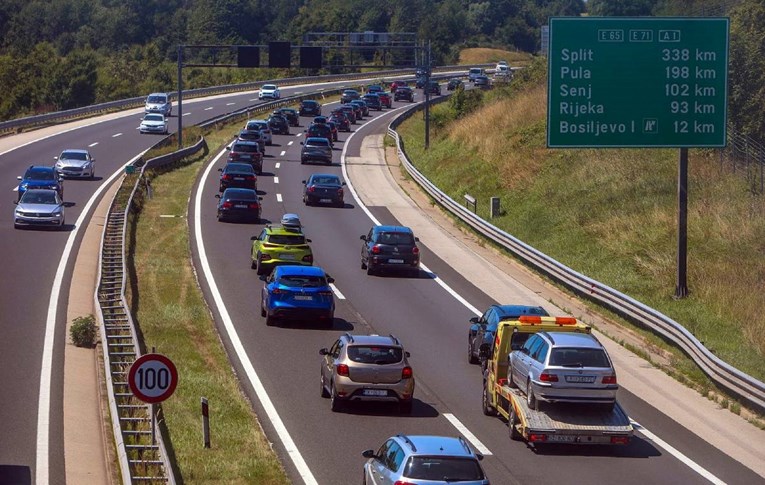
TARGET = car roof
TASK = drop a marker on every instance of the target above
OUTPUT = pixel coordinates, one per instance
(294, 269)
(373, 339)
(159, 94)
(35, 191)
(509, 311)
(40, 168)
(281, 230)
(324, 175)
(74, 150)
(573, 339)
(246, 167)
(437, 445)
(392, 229)
(268, 86)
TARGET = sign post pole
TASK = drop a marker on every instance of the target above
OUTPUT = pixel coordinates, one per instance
(681, 289)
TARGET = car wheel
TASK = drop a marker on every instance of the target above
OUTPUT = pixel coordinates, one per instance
(472, 359)
(324, 392)
(370, 269)
(531, 399)
(336, 404)
(487, 408)
(270, 321)
(405, 407)
(263, 312)
(259, 267)
(363, 264)
(512, 423)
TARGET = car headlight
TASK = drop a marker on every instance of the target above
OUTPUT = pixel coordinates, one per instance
(58, 214)
(59, 164)
(54, 187)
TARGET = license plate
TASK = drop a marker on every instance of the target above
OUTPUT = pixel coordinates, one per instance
(238, 178)
(240, 206)
(324, 201)
(287, 256)
(395, 261)
(561, 438)
(581, 379)
(375, 392)
(304, 297)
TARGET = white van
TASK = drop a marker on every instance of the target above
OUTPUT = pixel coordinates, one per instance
(159, 103)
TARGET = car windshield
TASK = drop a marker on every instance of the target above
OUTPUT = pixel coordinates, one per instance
(443, 469)
(269, 87)
(286, 240)
(245, 148)
(239, 167)
(73, 156)
(395, 238)
(38, 174)
(253, 126)
(475, 70)
(303, 281)
(153, 118)
(156, 99)
(579, 357)
(370, 354)
(240, 194)
(39, 197)
(326, 179)
(310, 103)
(317, 143)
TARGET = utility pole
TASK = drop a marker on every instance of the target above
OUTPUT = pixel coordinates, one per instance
(180, 97)
(427, 97)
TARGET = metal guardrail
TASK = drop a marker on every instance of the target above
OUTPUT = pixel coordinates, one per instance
(738, 383)
(59, 116)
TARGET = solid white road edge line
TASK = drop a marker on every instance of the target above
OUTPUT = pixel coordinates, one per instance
(241, 353)
(684, 459)
(42, 476)
(677, 454)
(337, 292)
(466, 432)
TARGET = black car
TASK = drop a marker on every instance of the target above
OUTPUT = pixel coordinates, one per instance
(242, 204)
(373, 101)
(278, 124)
(404, 93)
(341, 120)
(454, 83)
(316, 149)
(240, 175)
(309, 107)
(350, 112)
(390, 248)
(321, 130)
(320, 119)
(349, 95)
(361, 104)
(323, 188)
(246, 152)
(483, 329)
(433, 88)
(293, 118)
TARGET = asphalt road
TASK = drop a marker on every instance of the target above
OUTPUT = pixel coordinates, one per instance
(430, 322)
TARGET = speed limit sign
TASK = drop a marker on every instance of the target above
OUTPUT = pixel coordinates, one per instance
(152, 378)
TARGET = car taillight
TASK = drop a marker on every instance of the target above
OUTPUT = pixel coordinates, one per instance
(401, 482)
(311, 188)
(253, 206)
(339, 192)
(537, 437)
(609, 379)
(227, 205)
(227, 177)
(406, 373)
(277, 291)
(620, 440)
(250, 177)
(342, 370)
(264, 256)
(545, 377)
(308, 258)
(234, 156)
(376, 250)
(415, 250)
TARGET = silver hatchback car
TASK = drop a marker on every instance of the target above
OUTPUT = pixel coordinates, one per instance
(563, 367)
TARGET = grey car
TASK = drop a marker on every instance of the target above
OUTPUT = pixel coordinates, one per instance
(153, 123)
(563, 367)
(418, 459)
(39, 207)
(159, 103)
(390, 248)
(316, 149)
(76, 164)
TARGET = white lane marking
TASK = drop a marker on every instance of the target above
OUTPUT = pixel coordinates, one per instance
(278, 197)
(289, 143)
(186, 114)
(208, 109)
(276, 180)
(677, 454)
(254, 99)
(282, 153)
(16, 189)
(299, 134)
(298, 92)
(93, 144)
(43, 402)
(230, 104)
(241, 353)
(337, 292)
(467, 434)
(278, 164)
(116, 135)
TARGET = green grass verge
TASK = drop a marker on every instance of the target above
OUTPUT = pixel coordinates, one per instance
(174, 318)
(611, 214)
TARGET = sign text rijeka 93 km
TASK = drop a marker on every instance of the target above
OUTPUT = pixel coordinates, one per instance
(637, 82)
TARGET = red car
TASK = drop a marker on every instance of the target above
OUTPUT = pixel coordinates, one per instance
(333, 126)
(385, 99)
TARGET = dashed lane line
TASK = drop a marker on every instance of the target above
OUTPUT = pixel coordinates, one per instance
(278, 197)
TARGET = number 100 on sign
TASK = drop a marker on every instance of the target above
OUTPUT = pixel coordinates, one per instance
(152, 378)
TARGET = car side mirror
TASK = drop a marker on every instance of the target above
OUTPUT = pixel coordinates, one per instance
(323, 351)
(15, 202)
(479, 456)
(220, 170)
(308, 240)
(363, 238)
(343, 183)
(228, 148)
(303, 182)
(18, 177)
(368, 454)
(407, 354)
(483, 350)
(302, 143)
(417, 239)
(254, 238)
(217, 196)
(330, 279)
(474, 320)
(260, 198)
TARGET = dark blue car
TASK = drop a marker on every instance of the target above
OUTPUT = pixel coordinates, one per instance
(41, 177)
(484, 328)
(298, 293)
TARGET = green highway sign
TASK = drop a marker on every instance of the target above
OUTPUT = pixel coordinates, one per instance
(637, 82)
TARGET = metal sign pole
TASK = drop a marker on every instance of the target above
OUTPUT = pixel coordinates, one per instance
(153, 426)
(681, 290)
(180, 96)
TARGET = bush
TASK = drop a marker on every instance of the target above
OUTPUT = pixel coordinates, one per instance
(83, 331)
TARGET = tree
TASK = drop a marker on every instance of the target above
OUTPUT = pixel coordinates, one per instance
(622, 8)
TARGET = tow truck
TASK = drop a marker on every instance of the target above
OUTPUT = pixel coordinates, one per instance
(555, 422)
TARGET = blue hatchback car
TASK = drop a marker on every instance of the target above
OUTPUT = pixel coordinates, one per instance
(298, 293)
(41, 177)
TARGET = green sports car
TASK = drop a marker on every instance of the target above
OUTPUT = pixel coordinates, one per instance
(280, 245)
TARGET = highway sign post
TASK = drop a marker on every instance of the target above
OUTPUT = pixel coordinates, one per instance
(617, 82)
(152, 378)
